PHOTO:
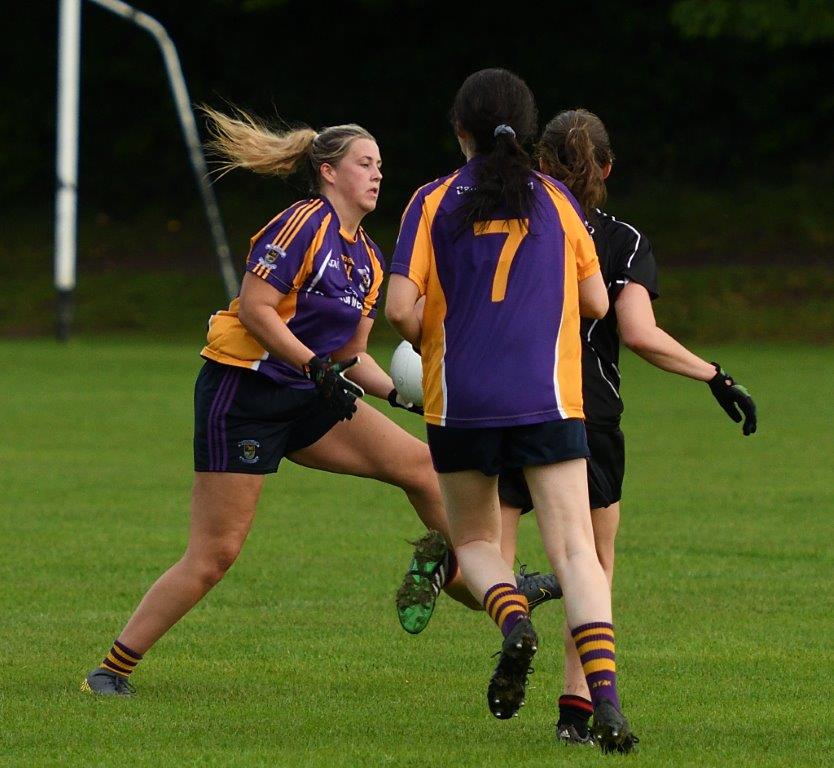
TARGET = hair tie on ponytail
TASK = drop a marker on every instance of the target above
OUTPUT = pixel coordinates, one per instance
(502, 129)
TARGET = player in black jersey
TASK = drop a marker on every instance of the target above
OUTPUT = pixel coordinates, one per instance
(576, 150)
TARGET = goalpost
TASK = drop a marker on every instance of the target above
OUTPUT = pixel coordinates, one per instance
(66, 169)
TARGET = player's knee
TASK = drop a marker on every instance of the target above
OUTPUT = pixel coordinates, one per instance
(418, 475)
(212, 566)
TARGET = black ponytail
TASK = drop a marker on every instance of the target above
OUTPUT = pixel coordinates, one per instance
(497, 109)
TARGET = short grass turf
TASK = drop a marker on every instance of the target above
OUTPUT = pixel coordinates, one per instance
(724, 588)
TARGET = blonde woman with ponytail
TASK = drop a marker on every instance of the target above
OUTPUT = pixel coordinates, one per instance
(575, 150)
(286, 368)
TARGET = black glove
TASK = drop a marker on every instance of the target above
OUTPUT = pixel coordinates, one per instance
(339, 393)
(396, 400)
(733, 397)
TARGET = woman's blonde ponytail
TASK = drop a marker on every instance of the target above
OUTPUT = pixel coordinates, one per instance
(243, 141)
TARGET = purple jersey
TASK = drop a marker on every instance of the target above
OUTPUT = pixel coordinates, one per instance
(500, 342)
(328, 281)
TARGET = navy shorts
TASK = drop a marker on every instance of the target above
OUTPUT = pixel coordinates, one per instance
(246, 422)
(606, 469)
(492, 450)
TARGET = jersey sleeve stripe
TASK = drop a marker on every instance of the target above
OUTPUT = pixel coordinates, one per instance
(293, 217)
(259, 234)
(272, 221)
(306, 268)
(283, 241)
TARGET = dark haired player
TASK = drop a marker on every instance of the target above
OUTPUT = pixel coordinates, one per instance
(506, 265)
(575, 149)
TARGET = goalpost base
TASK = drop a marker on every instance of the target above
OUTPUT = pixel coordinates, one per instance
(63, 314)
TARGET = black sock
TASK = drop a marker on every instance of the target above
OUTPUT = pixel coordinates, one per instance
(575, 711)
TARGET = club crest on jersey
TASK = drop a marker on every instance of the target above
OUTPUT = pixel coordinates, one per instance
(365, 278)
(249, 451)
(349, 264)
(265, 264)
(273, 251)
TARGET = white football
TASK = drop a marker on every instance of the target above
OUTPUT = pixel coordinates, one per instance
(407, 373)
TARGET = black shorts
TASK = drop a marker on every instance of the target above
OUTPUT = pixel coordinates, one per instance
(491, 450)
(246, 422)
(606, 469)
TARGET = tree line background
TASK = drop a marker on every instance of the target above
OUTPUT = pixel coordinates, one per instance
(721, 115)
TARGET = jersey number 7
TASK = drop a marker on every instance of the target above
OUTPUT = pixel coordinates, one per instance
(515, 231)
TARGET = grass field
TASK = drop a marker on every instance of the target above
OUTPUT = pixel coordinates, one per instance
(723, 597)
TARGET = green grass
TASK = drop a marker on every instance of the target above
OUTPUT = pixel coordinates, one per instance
(723, 593)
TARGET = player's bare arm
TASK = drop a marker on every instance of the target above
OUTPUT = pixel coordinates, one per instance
(368, 374)
(593, 298)
(640, 333)
(257, 313)
(402, 309)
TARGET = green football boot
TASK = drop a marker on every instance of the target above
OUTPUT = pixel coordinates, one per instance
(422, 583)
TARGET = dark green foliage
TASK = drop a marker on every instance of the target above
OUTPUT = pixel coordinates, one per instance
(775, 22)
(680, 107)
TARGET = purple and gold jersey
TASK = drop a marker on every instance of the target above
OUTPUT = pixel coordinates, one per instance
(500, 342)
(328, 281)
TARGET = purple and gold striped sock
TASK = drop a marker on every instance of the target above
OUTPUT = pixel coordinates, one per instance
(506, 606)
(595, 644)
(121, 660)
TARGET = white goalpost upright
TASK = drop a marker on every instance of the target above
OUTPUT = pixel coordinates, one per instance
(66, 162)
(66, 196)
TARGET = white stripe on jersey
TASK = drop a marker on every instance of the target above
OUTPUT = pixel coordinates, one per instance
(257, 364)
(556, 392)
(591, 329)
(594, 324)
(443, 381)
(599, 363)
(599, 360)
(634, 252)
(320, 273)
